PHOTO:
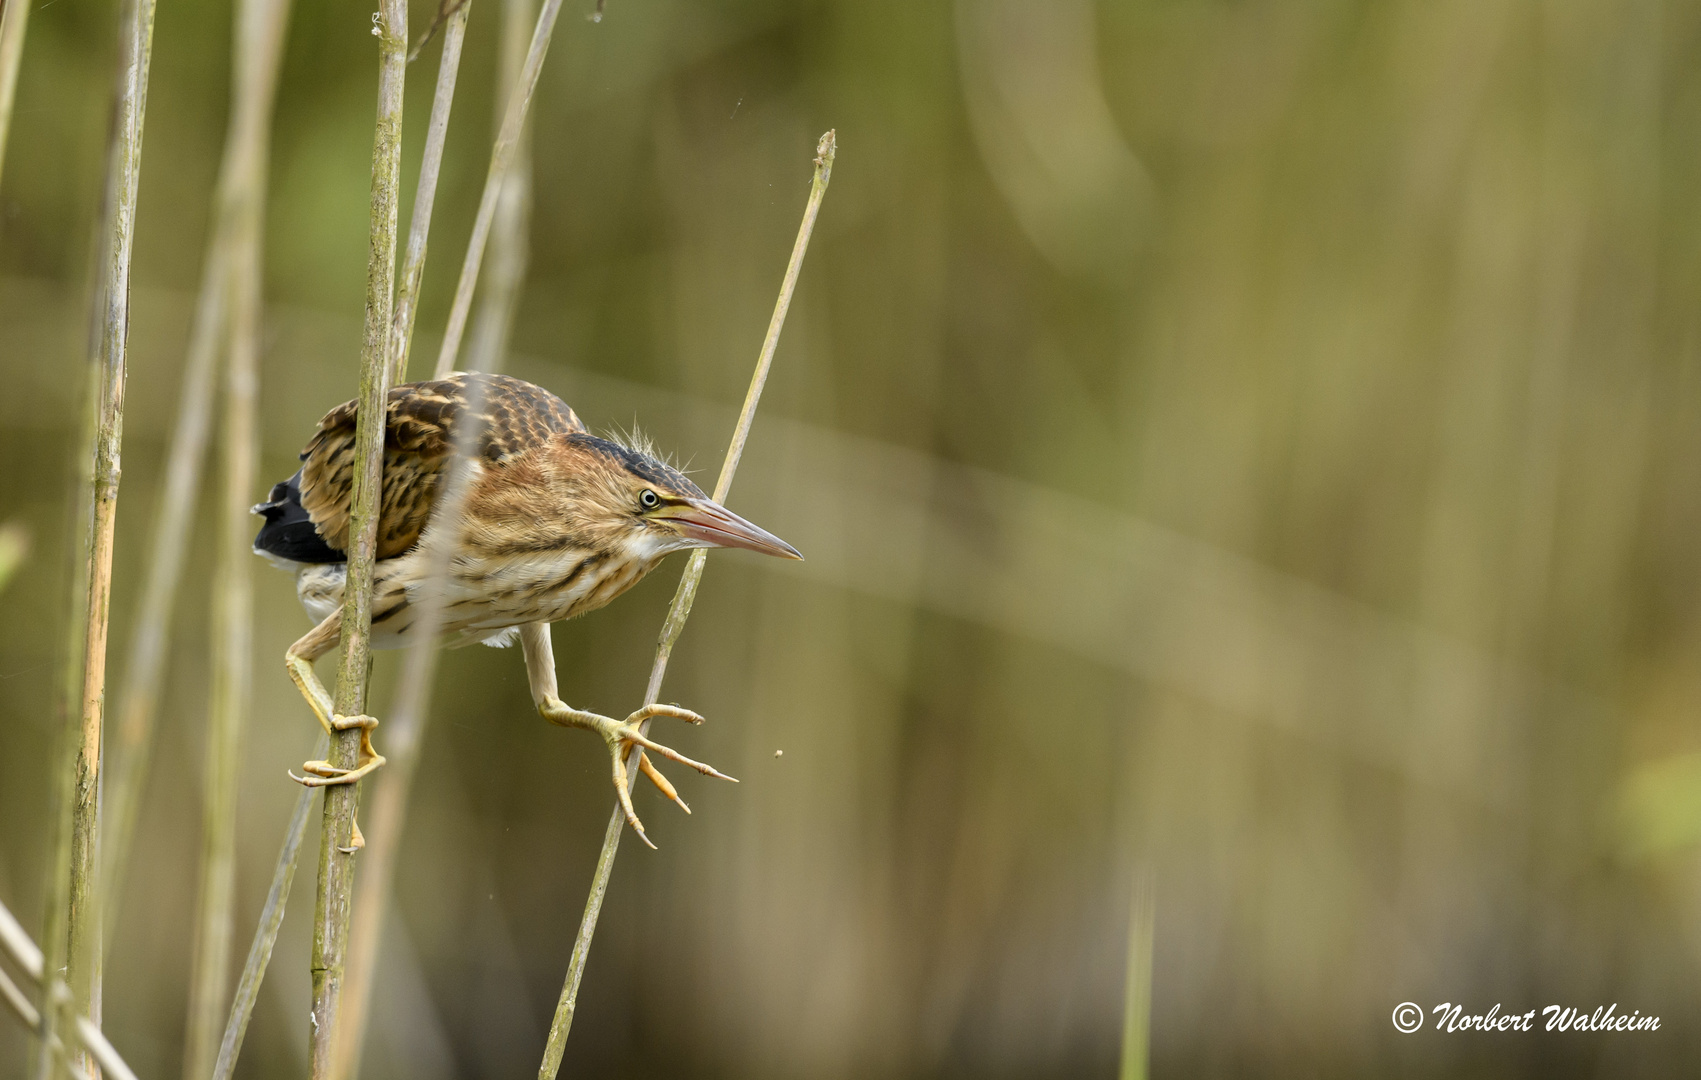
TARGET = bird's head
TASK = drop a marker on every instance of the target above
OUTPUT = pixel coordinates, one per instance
(625, 498)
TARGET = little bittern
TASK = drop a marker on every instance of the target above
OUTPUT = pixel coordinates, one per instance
(556, 522)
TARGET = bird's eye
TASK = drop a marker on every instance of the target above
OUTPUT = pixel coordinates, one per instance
(649, 500)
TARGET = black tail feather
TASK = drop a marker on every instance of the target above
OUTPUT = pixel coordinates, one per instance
(288, 532)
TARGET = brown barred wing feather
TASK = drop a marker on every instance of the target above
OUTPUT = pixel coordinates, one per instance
(420, 425)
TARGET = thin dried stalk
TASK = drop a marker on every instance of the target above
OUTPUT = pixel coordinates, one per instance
(501, 157)
(14, 20)
(509, 240)
(680, 610)
(445, 10)
(16, 941)
(258, 50)
(28, 957)
(150, 637)
(336, 853)
(232, 622)
(266, 934)
(18, 1003)
(46, 1049)
(425, 193)
(109, 330)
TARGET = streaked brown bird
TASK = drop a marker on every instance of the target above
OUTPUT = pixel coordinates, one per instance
(555, 523)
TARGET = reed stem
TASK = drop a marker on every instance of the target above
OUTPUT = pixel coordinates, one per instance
(258, 50)
(680, 610)
(1137, 988)
(14, 20)
(501, 157)
(336, 850)
(266, 933)
(110, 318)
(16, 943)
(150, 638)
(509, 242)
(425, 193)
(57, 898)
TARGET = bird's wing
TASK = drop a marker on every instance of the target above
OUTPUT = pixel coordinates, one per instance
(419, 438)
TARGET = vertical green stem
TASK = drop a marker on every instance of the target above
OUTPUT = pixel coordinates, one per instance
(110, 321)
(336, 851)
(266, 934)
(56, 908)
(680, 610)
(258, 50)
(150, 636)
(1137, 992)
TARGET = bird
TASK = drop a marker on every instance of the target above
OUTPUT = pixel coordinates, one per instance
(556, 522)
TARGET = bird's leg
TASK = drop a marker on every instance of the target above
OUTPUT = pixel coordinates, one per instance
(619, 735)
(299, 659)
(540, 671)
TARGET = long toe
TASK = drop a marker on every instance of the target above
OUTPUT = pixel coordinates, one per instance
(673, 712)
(324, 774)
(359, 720)
(661, 782)
(632, 734)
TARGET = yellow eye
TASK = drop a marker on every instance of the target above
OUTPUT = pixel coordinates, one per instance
(649, 500)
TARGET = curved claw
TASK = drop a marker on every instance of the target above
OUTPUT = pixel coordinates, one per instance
(621, 787)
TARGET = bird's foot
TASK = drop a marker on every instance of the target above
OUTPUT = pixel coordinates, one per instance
(324, 774)
(621, 736)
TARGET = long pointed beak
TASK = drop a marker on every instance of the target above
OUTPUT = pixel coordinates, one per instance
(706, 523)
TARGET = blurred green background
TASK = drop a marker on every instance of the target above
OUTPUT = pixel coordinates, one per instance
(1255, 444)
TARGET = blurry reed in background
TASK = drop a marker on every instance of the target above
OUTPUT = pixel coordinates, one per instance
(1254, 445)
